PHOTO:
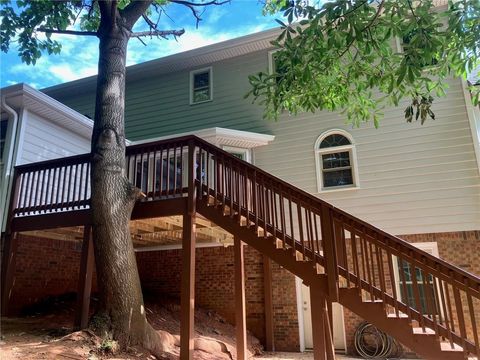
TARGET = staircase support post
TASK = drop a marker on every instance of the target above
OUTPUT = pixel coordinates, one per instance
(330, 253)
(9, 260)
(85, 280)
(268, 294)
(317, 303)
(240, 311)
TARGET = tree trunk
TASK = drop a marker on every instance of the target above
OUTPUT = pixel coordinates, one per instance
(122, 314)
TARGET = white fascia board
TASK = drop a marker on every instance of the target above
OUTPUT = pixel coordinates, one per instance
(42, 100)
(220, 136)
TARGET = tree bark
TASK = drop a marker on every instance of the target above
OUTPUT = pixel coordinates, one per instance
(121, 314)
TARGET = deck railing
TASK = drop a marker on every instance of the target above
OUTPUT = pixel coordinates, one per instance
(411, 283)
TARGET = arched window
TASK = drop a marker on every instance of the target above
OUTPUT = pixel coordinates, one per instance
(335, 158)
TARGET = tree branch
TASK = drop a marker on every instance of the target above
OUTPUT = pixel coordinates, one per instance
(67, 32)
(132, 12)
(193, 5)
(158, 33)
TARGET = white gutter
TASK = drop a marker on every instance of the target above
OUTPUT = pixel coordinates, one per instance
(8, 163)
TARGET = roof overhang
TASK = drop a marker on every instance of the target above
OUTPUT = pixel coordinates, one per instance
(221, 137)
(23, 96)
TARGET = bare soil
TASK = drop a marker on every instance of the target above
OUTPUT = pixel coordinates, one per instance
(48, 334)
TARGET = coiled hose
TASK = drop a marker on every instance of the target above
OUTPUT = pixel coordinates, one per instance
(371, 343)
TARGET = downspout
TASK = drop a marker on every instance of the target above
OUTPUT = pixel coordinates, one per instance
(9, 162)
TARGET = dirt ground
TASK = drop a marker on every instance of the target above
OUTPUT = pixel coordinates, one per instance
(49, 335)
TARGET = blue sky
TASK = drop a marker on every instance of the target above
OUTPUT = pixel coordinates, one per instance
(79, 54)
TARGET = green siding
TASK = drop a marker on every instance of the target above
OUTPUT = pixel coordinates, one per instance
(159, 105)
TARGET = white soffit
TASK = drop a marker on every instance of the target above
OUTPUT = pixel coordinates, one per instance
(24, 96)
(221, 137)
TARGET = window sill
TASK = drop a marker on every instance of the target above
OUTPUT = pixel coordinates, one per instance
(339, 188)
(200, 102)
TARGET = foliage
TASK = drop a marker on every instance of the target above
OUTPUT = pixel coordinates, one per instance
(343, 55)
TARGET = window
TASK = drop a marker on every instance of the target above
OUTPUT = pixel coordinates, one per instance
(336, 161)
(418, 38)
(275, 67)
(241, 153)
(201, 86)
(427, 286)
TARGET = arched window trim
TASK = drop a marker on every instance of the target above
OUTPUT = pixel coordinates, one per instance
(353, 160)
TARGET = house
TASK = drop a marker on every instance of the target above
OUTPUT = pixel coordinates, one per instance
(418, 182)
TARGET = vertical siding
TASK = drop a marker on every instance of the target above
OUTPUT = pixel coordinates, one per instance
(43, 140)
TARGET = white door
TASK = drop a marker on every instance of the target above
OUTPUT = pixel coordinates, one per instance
(338, 324)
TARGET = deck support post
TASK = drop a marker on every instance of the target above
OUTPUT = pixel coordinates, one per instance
(268, 296)
(187, 293)
(240, 311)
(187, 302)
(322, 336)
(85, 280)
(9, 260)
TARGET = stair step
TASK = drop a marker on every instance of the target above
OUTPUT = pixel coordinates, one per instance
(420, 331)
(375, 301)
(399, 316)
(446, 346)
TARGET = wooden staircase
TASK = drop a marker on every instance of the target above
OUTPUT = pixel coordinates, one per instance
(342, 258)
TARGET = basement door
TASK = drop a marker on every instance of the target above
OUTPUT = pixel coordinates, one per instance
(338, 324)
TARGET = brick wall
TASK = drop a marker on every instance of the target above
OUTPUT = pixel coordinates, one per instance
(44, 268)
(160, 272)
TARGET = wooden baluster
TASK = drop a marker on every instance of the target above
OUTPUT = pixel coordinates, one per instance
(78, 185)
(273, 203)
(224, 185)
(42, 188)
(317, 234)
(356, 267)
(446, 315)
(404, 285)
(450, 313)
(167, 193)
(199, 193)
(31, 197)
(264, 208)
(162, 173)
(247, 196)
(47, 190)
(154, 173)
(392, 278)
(74, 195)
(216, 180)
(87, 182)
(300, 228)
(239, 194)
(361, 241)
(69, 185)
(231, 187)
(292, 232)
(416, 294)
(55, 187)
(430, 300)
(340, 237)
(373, 264)
(368, 261)
(207, 174)
(309, 232)
(460, 315)
(473, 322)
(381, 273)
(256, 208)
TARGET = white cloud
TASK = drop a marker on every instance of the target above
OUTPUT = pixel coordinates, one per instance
(66, 72)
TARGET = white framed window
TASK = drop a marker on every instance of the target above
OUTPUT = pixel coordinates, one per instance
(336, 161)
(273, 66)
(427, 287)
(201, 89)
(241, 153)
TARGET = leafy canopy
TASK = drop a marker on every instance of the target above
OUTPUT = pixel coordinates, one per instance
(360, 56)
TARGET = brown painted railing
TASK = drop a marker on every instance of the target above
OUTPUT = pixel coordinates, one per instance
(411, 283)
